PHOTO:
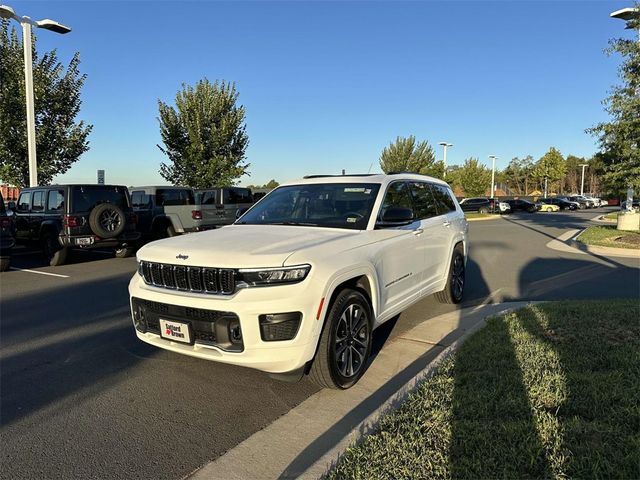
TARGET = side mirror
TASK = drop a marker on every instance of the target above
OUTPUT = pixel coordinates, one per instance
(241, 211)
(11, 206)
(395, 217)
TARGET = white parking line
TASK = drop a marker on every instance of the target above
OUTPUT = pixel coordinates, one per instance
(39, 273)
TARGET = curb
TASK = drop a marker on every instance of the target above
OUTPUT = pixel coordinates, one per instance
(481, 219)
(606, 251)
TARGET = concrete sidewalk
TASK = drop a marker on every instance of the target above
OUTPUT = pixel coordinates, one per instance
(305, 442)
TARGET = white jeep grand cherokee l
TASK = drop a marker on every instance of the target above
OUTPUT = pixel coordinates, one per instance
(299, 282)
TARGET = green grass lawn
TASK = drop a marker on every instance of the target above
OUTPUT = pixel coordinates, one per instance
(612, 216)
(549, 391)
(608, 236)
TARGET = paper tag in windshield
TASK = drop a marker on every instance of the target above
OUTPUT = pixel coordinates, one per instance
(354, 190)
(352, 219)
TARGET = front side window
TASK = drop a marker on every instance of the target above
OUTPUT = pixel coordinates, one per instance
(24, 202)
(397, 196)
(331, 205)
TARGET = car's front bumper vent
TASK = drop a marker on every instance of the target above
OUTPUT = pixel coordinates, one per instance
(190, 279)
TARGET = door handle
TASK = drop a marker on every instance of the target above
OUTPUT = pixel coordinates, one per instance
(418, 231)
(446, 223)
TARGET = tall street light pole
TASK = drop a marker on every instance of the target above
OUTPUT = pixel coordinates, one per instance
(493, 175)
(583, 165)
(445, 145)
(27, 23)
(628, 14)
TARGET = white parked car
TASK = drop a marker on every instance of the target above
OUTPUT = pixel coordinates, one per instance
(299, 282)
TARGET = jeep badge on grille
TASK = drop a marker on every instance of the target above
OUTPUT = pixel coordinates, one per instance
(182, 257)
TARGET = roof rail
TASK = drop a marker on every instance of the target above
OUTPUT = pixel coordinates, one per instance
(347, 175)
(403, 173)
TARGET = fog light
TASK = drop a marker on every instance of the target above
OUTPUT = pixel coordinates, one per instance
(235, 334)
(138, 319)
(279, 326)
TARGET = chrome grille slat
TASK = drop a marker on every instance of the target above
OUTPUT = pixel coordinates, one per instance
(180, 275)
(194, 279)
(168, 279)
(210, 277)
(156, 274)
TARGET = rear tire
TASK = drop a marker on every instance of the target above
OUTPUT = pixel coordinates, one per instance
(549, 210)
(5, 263)
(124, 252)
(345, 342)
(54, 253)
(483, 210)
(454, 289)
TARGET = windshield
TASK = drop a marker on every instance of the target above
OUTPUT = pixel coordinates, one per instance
(336, 205)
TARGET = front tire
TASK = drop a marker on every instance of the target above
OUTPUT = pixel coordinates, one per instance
(345, 343)
(454, 289)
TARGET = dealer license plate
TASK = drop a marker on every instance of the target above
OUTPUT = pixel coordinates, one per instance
(176, 331)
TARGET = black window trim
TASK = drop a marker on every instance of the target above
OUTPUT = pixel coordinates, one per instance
(44, 200)
(47, 208)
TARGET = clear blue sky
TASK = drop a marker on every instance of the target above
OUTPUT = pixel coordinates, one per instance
(327, 85)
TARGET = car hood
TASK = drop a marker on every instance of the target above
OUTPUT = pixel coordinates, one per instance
(245, 246)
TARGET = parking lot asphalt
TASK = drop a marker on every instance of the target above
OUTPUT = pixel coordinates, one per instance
(81, 397)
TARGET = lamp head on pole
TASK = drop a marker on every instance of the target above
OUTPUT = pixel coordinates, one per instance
(53, 26)
(7, 12)
(445, 144)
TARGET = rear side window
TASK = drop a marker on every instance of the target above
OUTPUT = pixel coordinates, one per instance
(174, 197)
(209, 198)
(55, 201)
(425, 204)
(139, 199)
(24, 202)
(237, 195)
(86, 198)
(444, 200)
(37, 205)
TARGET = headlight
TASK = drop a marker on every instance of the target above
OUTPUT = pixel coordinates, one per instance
(251, 277)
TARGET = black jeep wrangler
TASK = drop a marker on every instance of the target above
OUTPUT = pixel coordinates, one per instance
(61, 217)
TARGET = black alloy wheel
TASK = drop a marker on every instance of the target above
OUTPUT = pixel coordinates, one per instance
(345, 342)
(351, 340)
(454, 288)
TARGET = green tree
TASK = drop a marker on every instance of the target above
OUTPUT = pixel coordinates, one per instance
(474, 177)
(204, 136)
(619, 138)
(60, 140)
(518, 175)
(408, 155)
(551, 167)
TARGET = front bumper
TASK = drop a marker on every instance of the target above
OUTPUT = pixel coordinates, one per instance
(246, 305)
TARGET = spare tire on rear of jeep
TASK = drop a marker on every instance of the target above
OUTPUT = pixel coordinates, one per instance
(107, 220)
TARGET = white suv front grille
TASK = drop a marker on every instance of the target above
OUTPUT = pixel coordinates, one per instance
(191, 279)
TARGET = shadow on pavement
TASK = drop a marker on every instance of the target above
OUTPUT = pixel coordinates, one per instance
(477, 293)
